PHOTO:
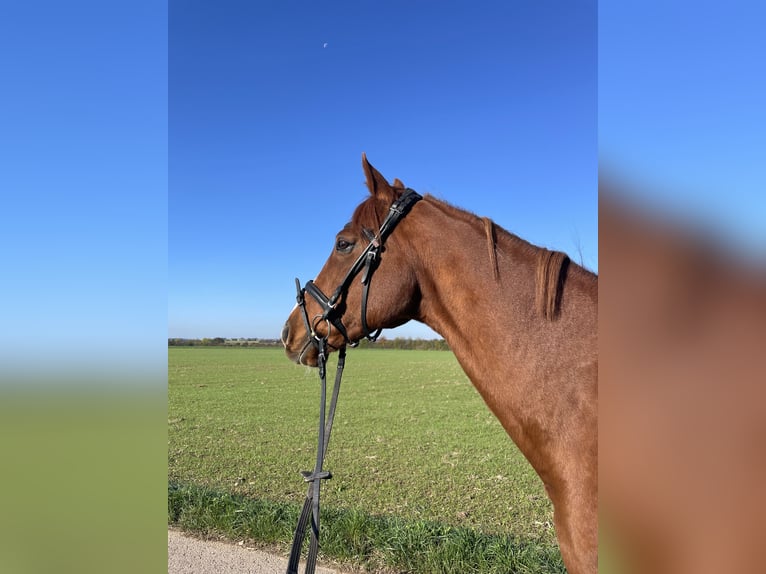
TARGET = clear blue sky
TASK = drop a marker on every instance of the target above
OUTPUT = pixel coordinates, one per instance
(682, 110)
(83, 181)
(257, 126)
(490, 106)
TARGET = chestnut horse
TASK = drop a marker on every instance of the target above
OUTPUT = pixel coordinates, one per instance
(521, 320)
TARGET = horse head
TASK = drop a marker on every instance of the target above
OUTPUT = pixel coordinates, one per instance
(367, 284)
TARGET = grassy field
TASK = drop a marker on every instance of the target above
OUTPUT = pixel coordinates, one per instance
(419, 462)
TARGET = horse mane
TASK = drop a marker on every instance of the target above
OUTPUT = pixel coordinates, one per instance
(550, 269)
(489, 230)
(550, 273)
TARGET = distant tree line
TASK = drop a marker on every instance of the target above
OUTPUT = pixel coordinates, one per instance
(382, 343)
(222, 342)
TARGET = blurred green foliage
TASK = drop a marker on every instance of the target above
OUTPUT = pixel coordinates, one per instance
(83, 481)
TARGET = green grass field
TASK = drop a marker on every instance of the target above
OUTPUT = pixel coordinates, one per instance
(415, 454)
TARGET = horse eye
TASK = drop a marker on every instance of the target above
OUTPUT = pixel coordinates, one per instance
(343, 246)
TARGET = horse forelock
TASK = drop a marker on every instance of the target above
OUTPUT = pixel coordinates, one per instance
(367, 215)
(372, 211)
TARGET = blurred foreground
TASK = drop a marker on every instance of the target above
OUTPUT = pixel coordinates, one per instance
(682, 429)
(83, 480)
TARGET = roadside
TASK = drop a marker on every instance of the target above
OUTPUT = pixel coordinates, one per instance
(189, 555)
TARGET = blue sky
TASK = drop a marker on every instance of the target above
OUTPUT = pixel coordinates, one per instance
(142, 200)
(489, 106)
(681, 113)
(83, 177)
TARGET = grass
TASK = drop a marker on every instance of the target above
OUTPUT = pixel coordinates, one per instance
(425, 478)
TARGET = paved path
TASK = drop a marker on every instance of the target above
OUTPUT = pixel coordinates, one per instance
(188, 555)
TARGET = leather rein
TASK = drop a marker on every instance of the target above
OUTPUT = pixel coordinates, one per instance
(331, 317)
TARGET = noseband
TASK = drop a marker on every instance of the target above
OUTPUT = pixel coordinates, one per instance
(367, 260)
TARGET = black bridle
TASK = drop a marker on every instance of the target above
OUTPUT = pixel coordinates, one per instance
(367, 260)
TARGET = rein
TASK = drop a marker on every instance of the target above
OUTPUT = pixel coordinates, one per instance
(367, 260)
(315, 478)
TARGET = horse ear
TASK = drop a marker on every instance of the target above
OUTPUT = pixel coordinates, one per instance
(398, 183)
(376, 183)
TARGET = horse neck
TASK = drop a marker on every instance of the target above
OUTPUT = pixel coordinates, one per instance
(490, 319)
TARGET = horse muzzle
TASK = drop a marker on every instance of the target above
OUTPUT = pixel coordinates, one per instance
(298, 348)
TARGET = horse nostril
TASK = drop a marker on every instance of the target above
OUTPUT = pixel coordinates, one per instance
(285, 333)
